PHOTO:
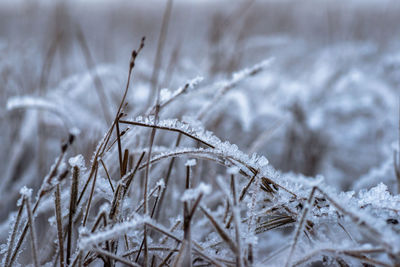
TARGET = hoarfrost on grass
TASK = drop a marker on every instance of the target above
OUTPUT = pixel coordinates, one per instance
(77, 161)
(194, 193)
(191, 163)
(26, 192)
(87, 239)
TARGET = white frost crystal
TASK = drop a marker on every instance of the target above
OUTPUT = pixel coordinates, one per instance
(193, 193)
(190, 163)
(26, 192)
(77, 161)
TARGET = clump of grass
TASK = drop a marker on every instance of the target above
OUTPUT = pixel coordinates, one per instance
(138, 205)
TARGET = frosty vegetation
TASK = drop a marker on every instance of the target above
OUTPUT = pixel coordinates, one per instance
(268, 148)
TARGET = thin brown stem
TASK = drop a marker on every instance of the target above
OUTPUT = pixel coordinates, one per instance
(32, 231)
(107, 174)
(57, 205)
(90, 196)
(72, 209)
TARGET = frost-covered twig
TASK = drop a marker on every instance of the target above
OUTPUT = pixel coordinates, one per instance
(167, 97)
(26, 200)
(57, 204)
(236, 220)
(72, 209)
(226, 86)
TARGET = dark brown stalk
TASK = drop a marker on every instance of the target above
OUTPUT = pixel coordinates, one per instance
(91, 195)
(119, 146)
(250, 256)
(226, 213)
(125, 162)
(135, 53)
(167, 129)
(122, 133)
(91, 174)
(102, 217)
(57, 204)
(116, 202)
(107, 174)
(195, 205)
(72, 209)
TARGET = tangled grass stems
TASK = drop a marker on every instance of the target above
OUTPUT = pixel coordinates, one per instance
(125, 214)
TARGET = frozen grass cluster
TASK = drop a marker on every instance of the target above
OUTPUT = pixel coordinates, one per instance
(221, 171)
